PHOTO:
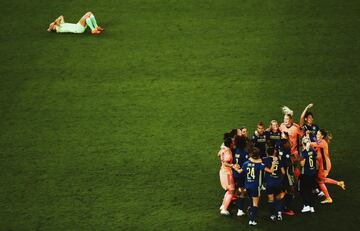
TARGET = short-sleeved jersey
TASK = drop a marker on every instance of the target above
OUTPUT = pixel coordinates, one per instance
(259, 141)
(273, 138)
(274, 178)
(313, 129)
(294, 132)
(253, 174)
(310, 162)
(240, 156)
(70, 28)
(285, 157)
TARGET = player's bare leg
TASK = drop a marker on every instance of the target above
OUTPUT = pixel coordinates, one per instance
(335, 182)
(324, 189)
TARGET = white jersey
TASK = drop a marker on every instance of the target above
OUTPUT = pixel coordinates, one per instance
(70, 28)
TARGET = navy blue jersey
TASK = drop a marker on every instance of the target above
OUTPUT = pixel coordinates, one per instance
(313, 129)
(253, 174)
(260, 142)
(273, 138)
(239, 157)
(274, 178)
(310, 162)
(285, 157)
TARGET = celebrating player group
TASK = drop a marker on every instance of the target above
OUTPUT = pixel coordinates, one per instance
(281, 160)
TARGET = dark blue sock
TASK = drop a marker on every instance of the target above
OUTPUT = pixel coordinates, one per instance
(278, 206)
(272, 208)
(251, 213)
(241, 203)
(311, 200)
(250, 202)
(287, 200)
(254, 213)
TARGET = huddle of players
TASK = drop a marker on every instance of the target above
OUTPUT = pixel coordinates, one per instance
(277, 152)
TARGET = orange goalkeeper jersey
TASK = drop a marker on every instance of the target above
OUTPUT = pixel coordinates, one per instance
(294, 132)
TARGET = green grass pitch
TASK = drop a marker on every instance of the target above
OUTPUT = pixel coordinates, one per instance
(120, 131)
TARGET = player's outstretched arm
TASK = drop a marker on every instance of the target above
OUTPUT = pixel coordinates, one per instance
(302, 117)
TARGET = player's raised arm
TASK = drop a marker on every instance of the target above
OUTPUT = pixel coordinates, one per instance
(302, 116)
(55, 23)
(59, 20)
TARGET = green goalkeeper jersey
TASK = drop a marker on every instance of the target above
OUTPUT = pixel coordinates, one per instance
(70, 28)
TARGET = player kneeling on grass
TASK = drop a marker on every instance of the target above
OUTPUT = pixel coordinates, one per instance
(60, 26)
(308, 175)
(274, 183)
(253, 171)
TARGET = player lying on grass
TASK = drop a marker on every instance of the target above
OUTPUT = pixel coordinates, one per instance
(60, 26)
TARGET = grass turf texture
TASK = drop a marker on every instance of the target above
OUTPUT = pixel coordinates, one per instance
(120, 131)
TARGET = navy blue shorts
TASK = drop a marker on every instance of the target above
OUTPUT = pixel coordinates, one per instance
(240, 182)
(274, 189)
(253, 192)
